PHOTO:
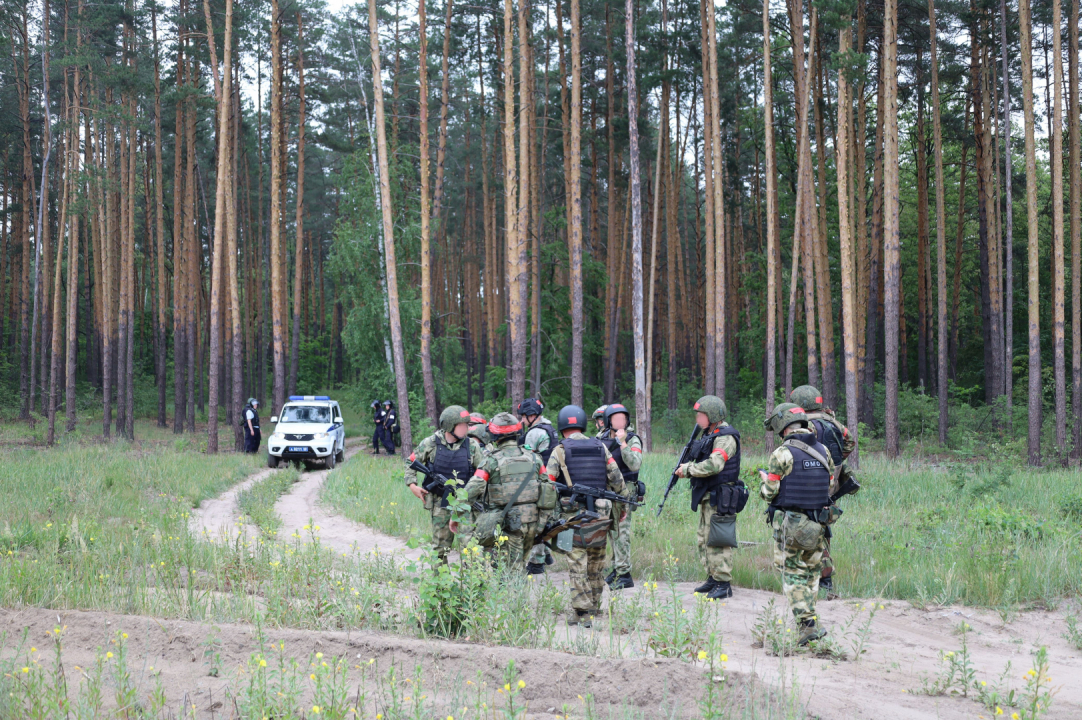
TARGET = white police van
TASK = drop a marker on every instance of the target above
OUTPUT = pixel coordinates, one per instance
(310, 429)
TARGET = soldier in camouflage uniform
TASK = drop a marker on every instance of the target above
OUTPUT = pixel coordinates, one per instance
(540, 437)
(599, 419)
(715, 461)
(509, 474)
(797, 485)
(452, 453)
(626, 449)
(580, 460)
(839, 441)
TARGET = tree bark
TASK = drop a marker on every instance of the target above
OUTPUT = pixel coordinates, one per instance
(277, 169)
(940, 235)
(1059, 372)
(299, 247)
(1008, 235)
(845, 235)
(642, 417)
(891, 238)
(771, 227)
(720, 272)
(1033, 256)
(388, 234)
(1075, 182)
(426, 226)
(520, 280)
(577, 324)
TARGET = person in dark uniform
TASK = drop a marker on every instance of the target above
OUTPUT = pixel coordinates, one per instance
(377, 421)
(252, 435)
(390, 426)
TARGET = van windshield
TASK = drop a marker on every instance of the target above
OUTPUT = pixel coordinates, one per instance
(305, 414)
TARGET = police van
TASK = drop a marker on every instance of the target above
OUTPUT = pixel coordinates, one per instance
(309, 430)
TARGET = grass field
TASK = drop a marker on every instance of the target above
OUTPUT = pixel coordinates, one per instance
(986, 535)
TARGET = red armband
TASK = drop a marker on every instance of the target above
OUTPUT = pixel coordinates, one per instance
(724, 455)
(481, 474)
(771, 477)
(635, 449)
(413, 456)
(611, 461)
(552, 477)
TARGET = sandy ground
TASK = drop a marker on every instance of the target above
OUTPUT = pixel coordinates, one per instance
(903, 652)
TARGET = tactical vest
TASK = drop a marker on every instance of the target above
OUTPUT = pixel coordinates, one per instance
(586, 462)
(554, 440)
(255, 420)
(807, 486)
(453, 463)
(613, 445)
(729, 474)
(514, 466)
(829, 435)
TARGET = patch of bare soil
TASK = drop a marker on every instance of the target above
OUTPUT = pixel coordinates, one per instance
(219, 518)
(177, 649)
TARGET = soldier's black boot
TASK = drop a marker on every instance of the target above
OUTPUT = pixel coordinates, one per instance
(810, 631)
(706, 586)
(720, 591)
(535, 569)
(826, 583)
(621, 581)
(609, 578)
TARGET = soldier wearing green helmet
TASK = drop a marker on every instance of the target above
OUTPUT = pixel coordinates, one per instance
(599, 419)
(714, 470)
(796, 483)
(839, 441)
(452, 453)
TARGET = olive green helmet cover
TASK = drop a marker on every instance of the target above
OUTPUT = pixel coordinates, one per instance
(713, 407)
(453, 415)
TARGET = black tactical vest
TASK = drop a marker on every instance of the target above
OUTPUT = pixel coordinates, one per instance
(255, 420)
(453, 463)
(554, 440)
(704, 447)
(586, 462)
(807, 486)
(613, 445)
(829, 435)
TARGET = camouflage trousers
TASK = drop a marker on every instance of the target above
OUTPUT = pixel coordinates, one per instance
(620, 540)
(828, 561)
(587, 582)
(442, 537)
(540, 551)
(717, 561)
(516, 549)
(799, 572)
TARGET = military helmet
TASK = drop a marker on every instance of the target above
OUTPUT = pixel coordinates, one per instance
(571, 417)
(807, 397)
(374, 405)
(453, 415)
(615, 409)
(253, 401)
(504, 425)
(388, 402)
(713, 407)
(477, 418)
(785, 415)
(530, 406)
(599, 414)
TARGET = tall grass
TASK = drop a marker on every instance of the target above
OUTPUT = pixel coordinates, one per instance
(988, 535)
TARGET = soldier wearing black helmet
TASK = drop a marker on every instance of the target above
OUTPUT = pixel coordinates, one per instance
(390, 426)
(252, 435)
(797, 485)
(453, 454)
(839, 441)
(626, 449)
(580, 460)
(715, 464)
(538, 434)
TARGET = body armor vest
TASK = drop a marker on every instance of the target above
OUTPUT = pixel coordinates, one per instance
(729, 474)
(613, 446)
(807, 486)
(453, 464)
(515, 466)
(829, 436)
(554, 440)
(586, 463)
(255, 420)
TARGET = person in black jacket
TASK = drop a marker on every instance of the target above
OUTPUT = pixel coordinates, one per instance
(252, 436)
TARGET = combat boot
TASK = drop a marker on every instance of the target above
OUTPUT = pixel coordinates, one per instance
(535, 569)
(580, 617)
(720, 591)
(826, 583)
(610, 577)
(619, 582)
(706, 586)
(810, 631)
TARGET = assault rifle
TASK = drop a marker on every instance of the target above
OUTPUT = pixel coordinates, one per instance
(848, 485)
(589, 496)
(683, 458)
(435, 483)
(557, 525)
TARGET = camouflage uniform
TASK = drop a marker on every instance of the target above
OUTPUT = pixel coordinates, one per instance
(800, 568)
(809, 398)
(620, 532)
(425, 452)
(537, 440)
(718, 562)
(495, 482)
(585, 564)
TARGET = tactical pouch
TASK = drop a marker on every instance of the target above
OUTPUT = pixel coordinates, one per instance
(485, 528)
(731, 499)
(547, 496)
(722, 531)
(593, 534)
(798, 531)
(641, 489)
(564, 541)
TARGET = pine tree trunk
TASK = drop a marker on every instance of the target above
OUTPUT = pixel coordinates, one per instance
(1033, 254)
(891, 237)
(388, 235)
(277, 170)
(845, 234)
(577, 324)
(941, 234)
(299, 247)
(426, 227)
(721, 311)
(822, 262)
(710, 233)
(519, 302)
(642, 416)
(236, 351)
(73, 261)
(772, 267)
(923, 380)
(180, 273)
(1008, 235)
(1075, 141)
(1058, 318)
